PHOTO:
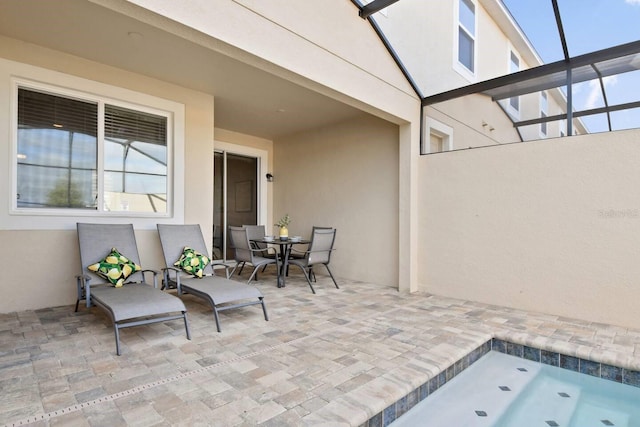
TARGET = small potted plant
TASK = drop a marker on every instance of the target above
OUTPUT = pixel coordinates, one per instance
(283, 224)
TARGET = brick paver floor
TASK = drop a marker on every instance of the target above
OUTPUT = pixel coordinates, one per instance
(335, 358)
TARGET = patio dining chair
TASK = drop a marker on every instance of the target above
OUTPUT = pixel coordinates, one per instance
(298, 254)
(319, 252)
(257, 232)
(220, 292)
(245, 253)
(111, 279)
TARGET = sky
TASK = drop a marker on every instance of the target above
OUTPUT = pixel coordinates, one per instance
(589, 25)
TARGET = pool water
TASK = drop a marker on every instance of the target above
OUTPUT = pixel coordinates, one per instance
(500, 390)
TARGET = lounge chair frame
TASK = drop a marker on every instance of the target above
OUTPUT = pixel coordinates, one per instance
(95, 241)
(214, 289)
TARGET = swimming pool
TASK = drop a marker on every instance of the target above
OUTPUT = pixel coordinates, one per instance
(501, 390)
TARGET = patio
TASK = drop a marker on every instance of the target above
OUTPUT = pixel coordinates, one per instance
(335, 358)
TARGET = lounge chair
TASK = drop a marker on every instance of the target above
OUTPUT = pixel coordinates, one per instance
(134, 302)
(221, 293)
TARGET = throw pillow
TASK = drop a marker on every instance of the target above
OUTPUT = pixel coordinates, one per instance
(192, 262)
(115, 268)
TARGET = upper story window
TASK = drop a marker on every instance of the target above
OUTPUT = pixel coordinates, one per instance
(514, 67)
(80, 152)
(544, 108)
(467, 34)
(438, 137)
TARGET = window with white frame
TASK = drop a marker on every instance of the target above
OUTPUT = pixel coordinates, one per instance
(76, 151)
(467, 34)
(544, 107)
(438, 137)
(514, 67)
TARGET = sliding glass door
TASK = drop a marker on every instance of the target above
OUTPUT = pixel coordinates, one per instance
(235, 199)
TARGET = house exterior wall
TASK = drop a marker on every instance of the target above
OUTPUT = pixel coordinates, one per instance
(424, 35)
(345, 176)
(347, 63)
(549, 226)
(477, 110)
(50, 242)
(330, 62)
(359, 77)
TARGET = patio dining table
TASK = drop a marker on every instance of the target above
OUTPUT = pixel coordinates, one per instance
(285, 252)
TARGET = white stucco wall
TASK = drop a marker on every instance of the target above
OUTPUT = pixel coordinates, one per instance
(550, 226)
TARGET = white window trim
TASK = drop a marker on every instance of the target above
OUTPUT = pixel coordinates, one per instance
(513, 111)
(460, 68)
(23, 75)
(263, 168)
(435, 127)
(543, 95)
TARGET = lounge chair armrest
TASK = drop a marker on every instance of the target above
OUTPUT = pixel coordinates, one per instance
(166, 272)
(226, 266)
(84, 288)
(155, 276)
(82, 278)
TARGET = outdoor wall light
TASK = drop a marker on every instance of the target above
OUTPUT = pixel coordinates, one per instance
(269, 177)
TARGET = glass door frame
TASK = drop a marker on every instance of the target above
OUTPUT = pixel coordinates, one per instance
(262, 157)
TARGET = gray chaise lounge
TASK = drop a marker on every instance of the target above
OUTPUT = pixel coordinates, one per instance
(221, 293)
(136, 302)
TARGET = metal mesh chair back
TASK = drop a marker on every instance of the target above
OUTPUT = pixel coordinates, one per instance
(256, 232)
(174, 238)
(96, 241)
(240, 242)
(321, 246)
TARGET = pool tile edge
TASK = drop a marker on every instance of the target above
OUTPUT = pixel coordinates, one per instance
(570, 362)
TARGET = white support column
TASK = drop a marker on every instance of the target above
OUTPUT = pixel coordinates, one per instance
(409, 146)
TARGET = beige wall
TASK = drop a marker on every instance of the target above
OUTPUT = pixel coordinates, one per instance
(54, 246)
(327, 51)
(48, 243)
(347, 62)
(424, 35)
(382, 193)
(345, 176)
(46, 262)
(550, 226)
(476, 121)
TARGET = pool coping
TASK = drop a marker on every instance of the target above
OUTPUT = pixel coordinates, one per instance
(623, 375)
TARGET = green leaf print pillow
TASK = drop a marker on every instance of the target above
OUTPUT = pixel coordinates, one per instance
(192, 262)
(115, 268)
